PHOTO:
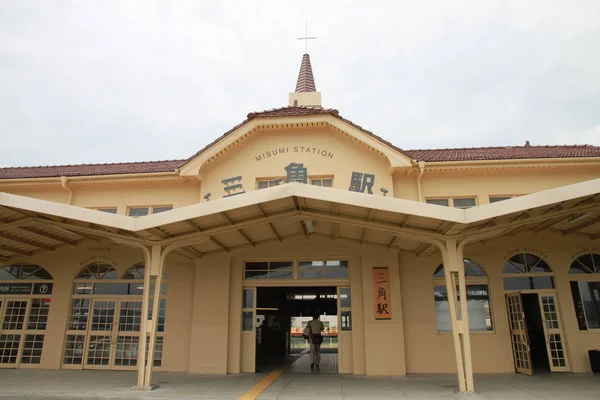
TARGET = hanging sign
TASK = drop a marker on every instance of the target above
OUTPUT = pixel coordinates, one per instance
(381, 291)
(15, 288)
(42, 288)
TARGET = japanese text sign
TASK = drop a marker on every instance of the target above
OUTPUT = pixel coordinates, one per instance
(381, 291)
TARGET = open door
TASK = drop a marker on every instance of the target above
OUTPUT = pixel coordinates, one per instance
(518, 334)
(553, 333)
(249, 326)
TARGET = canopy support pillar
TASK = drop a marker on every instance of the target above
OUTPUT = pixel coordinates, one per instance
(454, 273)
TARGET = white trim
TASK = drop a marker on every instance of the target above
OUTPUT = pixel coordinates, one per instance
(390, 204)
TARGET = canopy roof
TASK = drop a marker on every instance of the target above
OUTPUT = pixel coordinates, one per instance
(30, 226)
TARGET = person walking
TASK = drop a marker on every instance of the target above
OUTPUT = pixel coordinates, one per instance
(313, 331)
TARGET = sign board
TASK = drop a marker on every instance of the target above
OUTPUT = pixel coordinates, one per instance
(42, 288)
(381, 292)
(15, 288)
(25, 288)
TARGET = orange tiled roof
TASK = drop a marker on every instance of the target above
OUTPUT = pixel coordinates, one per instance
(433, 155)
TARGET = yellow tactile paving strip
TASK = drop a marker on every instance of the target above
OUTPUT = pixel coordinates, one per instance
(262, 385)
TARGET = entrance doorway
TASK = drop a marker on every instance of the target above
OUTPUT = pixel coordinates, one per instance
(282, 314)
(536, 333)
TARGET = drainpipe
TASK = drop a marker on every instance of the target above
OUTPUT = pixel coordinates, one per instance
(421, 170)
(63, 181)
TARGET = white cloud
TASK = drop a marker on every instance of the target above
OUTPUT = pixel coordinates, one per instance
(124, 81)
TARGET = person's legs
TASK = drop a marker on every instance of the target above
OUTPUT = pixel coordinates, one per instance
(317, 354)
(312, 354)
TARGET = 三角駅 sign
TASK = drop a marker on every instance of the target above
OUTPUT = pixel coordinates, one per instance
(381, 291)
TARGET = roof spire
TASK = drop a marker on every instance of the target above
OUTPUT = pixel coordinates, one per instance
(306, 92)
(306, 80)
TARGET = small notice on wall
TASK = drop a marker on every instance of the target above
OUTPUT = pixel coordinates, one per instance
(381, 291)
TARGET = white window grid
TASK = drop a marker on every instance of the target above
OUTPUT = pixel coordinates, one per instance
(22, 329)
(454, 201)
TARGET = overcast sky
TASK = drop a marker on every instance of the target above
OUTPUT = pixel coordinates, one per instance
(113, 81)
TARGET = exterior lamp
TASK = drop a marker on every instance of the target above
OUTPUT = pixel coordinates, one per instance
(384, 191)
(207, 196)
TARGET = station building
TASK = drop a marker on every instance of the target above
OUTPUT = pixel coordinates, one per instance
(473, 260)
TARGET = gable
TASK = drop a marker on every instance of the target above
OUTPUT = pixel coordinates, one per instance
(291, 118)
(319, 151)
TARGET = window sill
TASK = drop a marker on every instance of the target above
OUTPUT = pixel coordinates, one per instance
(492, 332)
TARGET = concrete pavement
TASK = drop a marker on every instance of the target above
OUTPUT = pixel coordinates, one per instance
(112, 385)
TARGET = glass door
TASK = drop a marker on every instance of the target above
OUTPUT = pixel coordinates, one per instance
(250, 332)
(22, 327)
(518, 334)
(13, 320)
(101, 334)
(127, 334)
(557, 354)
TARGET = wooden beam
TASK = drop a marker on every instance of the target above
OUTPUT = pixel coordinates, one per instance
(39, 232)
(4, 224)
(270, 225)
(26, 242)
(585, 225)
(371, 214)
(242, 234)
(547, 224)
(392, 242)
(421, 249)
(14, 250)
(364, 235)
(193, 225)
(304, 229)
(219, 244)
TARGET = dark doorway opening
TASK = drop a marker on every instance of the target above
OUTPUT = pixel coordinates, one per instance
(282, 314)
(535, 332)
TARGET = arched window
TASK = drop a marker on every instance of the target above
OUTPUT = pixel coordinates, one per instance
(23, 271)
(585, 288)
(98, 270)
(24, 313)
(104, 306)
(478, 298)
(137, 272)
(526, 271)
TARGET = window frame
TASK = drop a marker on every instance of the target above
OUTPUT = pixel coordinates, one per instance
(150, 209)
(105, 209)
(503, 196)
(320, 179)
(296, 280)
(270, 182)
(528, 275)
(450, 200)
(577, 279)
(469, 281)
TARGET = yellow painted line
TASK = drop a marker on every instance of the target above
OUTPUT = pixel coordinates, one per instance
(262, 385)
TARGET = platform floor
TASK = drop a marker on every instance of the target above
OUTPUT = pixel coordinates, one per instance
(63, 384)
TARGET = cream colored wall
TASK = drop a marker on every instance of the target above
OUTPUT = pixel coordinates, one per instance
(484, 185)
(210, 320)
(120, 196)
(346, 157)
(384, 339)
(429, 351)
(55, 194)
(179, 314)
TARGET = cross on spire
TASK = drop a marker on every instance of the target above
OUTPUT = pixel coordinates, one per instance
(306, 38)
